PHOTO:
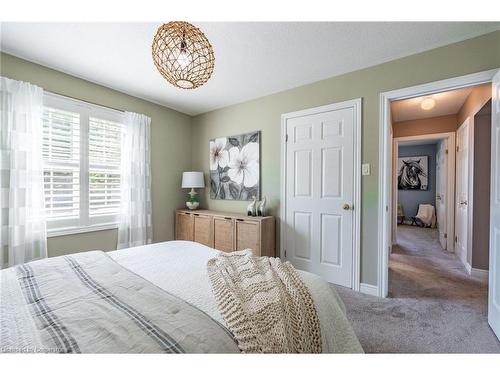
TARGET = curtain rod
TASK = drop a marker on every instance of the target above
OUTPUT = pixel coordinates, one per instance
(86, 101)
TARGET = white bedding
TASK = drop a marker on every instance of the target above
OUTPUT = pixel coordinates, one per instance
(89, 303)
(180, 268)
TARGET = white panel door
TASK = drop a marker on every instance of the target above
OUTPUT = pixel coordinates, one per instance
(494, 272)
(441, 189)
(462, 192)
(320, 193)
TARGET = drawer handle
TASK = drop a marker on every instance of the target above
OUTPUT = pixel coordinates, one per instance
(196, 214)
(240, 219)
(227, 218)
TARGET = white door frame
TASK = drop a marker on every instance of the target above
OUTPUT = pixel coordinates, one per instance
(450, 180)
(470, 193)
(356, 105)
(385, 156)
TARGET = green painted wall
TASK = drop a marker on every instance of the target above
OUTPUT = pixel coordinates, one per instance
(170, 138)
(263, 114)
(171, 131)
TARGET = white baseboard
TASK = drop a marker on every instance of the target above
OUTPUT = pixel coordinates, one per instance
(468, 268)
(479, 273)
(372, 290)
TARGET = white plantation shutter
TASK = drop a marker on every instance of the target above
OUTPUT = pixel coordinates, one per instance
(104, 167)
(61, 156)
(81, 157)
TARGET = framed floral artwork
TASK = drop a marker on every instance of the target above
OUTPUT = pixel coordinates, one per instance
(235, 167)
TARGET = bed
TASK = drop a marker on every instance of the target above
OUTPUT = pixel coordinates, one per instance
(146, 299)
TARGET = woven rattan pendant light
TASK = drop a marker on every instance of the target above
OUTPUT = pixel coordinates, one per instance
(183, 55)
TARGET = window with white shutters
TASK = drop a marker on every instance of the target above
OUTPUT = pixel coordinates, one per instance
(81, 154)
(61, 155)
(104, 167)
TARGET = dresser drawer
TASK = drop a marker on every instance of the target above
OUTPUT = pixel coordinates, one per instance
(247, 235)
(203, 229)
(224, 234)
(184, 226)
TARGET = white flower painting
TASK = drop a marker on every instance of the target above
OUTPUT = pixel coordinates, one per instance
(235, 168)
(219, 157)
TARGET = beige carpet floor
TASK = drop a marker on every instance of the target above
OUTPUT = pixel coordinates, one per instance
(434, 306)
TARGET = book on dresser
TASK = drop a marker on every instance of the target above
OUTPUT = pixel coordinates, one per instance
(227, 231)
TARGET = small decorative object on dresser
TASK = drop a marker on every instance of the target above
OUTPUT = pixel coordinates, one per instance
(261, 211)
(227, 231)
(252, 208)
(193, 180)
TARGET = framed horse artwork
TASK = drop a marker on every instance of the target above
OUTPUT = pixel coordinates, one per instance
(413, 173)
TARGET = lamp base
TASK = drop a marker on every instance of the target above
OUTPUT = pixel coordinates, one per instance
(193, 202)
(192, 205)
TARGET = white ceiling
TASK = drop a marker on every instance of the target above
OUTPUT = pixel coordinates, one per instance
(253, 59)
(447, 103)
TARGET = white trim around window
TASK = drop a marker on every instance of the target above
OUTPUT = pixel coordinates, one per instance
(57, 232)
(70, 213)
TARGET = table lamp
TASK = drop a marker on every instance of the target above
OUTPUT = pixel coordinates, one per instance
(193, 180)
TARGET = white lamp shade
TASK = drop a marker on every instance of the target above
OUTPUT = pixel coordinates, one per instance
(193, 180)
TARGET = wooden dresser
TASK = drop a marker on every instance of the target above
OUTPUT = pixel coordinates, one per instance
(227, 231)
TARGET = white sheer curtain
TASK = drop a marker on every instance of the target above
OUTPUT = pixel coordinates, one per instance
(135, 226)
(23, 234)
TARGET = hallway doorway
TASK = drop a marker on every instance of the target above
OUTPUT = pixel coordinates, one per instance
(440, 191)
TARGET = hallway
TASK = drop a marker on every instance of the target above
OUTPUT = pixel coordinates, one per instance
(420, 268)
(434, 306)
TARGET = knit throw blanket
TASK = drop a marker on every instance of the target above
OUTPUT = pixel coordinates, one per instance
(265, 304)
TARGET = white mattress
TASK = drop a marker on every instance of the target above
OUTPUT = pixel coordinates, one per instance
(180, 268)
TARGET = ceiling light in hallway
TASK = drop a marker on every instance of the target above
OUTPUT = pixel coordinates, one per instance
(427, 104)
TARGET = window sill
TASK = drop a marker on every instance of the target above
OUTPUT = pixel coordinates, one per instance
(75, 230)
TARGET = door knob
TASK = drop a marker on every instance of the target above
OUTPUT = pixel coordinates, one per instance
(346, 206)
